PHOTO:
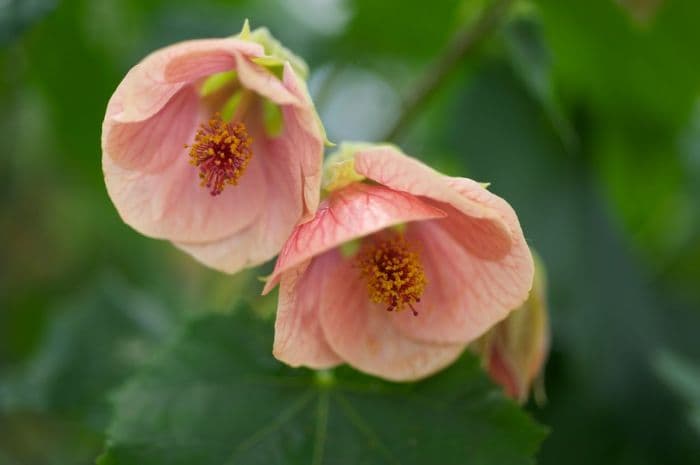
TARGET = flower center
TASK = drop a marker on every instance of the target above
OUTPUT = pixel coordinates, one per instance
(393, 271)
(222, 152)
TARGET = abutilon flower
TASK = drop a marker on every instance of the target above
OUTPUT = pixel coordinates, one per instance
(514, 351)
(400, 268)
(215, 145)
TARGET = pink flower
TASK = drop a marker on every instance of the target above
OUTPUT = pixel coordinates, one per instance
(514, 351)
(396, 276)
(215, 145)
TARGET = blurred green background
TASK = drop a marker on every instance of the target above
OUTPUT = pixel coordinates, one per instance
(584, 114)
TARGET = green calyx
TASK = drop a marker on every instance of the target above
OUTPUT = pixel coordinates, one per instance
(339, 167)
(276, 54)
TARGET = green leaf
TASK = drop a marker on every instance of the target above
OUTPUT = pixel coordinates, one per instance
(95, 340)
(398, 29)
(608, 315)
(530, 56)
(217, 396)
(632, 88)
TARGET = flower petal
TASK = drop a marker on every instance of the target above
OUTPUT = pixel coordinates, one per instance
(150, 84)
(171, 204)
(304, 136)
(152, 144)
(388, 166)
(199, 58)
(467, 293)
(349, 213)
(284, 183)
(154, 109)
(264, 237)
(501, 371)
(363, 335)
(259, 79)
(299, 339)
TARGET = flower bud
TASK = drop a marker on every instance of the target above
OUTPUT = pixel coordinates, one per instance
(514, 351)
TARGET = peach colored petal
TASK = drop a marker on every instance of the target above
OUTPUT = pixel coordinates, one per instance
(303, 135)
(155, 111)
(362, 334)
(285, 181)
(467, 293)
(171, 204)
(299, 339)
(263, 238)
(349, 213)
(152, 144)
(260, 80)
(146, 122)
(199, 58)
(150, 84)
(388, 166)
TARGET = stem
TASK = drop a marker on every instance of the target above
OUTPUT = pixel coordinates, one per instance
(461, 45)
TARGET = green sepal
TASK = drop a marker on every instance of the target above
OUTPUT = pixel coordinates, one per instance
(350, 248)
(339, 167)
(216, 82)
(231, 105)
(276, 54)
(272, 117)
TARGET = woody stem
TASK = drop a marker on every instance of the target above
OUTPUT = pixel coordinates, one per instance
(463, 42)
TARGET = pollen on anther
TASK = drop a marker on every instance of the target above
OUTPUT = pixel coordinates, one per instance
(393, 272)
(222, 152)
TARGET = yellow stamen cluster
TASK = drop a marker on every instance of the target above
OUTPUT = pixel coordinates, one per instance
(222, 152)
(393, 272)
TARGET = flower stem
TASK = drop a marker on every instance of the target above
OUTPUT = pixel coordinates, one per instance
(463, 42)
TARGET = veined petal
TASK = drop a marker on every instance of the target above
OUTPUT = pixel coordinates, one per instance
(388, 166)
(362, 334)
(303, 134)
(150, 84)
(467, 291)
(284, 182)
(349, 213)
(170, 204)
(260, 80)
(153, 144)
(157, 110)
(154, 110)
(299, 339)
(262, 239)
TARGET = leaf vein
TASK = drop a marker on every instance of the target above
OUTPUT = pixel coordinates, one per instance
(321, 429)
(356, 420)
(280, 420)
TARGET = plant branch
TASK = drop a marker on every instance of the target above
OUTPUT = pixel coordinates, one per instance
(462, 44)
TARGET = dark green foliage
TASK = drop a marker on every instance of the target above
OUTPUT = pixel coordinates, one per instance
(217, 396)
(584, 115)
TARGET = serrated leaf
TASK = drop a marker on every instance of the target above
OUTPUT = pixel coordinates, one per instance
(217, 396)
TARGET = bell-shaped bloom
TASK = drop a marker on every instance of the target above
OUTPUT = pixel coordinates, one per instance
(215, 145)
(514, 351)
(400, 268)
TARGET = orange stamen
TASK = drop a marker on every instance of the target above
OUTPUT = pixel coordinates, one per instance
(393, 271)
(222, 152)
